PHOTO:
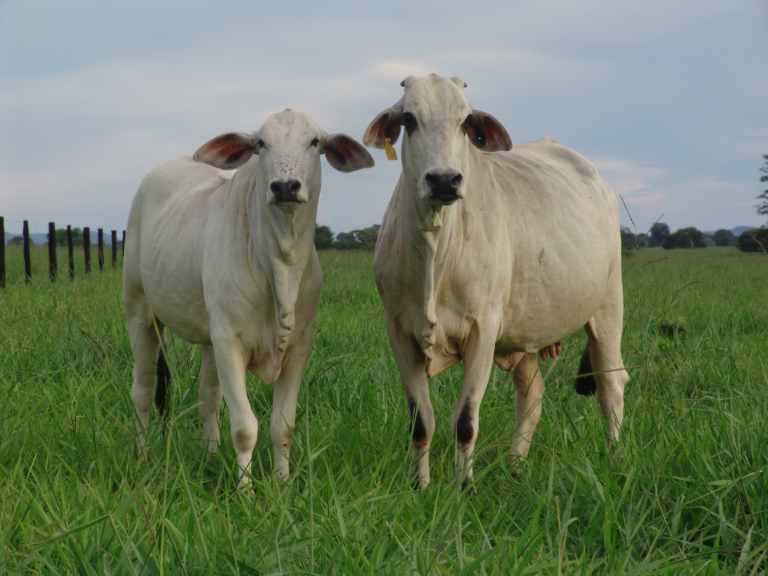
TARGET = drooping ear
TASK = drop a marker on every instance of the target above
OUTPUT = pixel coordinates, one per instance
(459, 82)
(486, 133)
(385, 125)
(344, 153)
(227, 151)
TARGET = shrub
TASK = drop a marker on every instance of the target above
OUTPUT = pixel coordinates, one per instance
(684, 238)
(724, 238)
(323, 237)
(751, 240)
(364, 239)
(628, 239)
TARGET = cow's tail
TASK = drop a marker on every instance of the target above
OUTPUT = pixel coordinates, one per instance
(585, 380)
(163, 380)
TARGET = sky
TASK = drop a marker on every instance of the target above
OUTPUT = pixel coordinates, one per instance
(668, 99)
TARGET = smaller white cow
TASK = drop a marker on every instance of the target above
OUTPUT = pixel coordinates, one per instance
(227, 260)
(488, 254)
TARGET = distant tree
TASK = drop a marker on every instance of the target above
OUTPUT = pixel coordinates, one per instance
(323, 237)
(18, 241)
(364, 239)
(61, 237)
(684, 238)
(755, 240)
(724, 237)
(628, 240)
(762, 208)
(659, 233)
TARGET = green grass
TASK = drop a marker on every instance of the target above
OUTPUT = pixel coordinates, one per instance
(684, 491)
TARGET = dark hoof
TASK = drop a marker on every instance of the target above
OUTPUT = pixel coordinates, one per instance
(469, 490)
(516, 473)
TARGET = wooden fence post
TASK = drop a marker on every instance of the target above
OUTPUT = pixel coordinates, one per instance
(101, 249)
(2, 252)
(87, 249)
(27, 261)
(70, 253)
(114, 249)
(52, 263)
(123, 247)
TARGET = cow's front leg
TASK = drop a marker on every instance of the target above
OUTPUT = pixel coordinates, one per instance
(529, 391)
(465, 420)
(411, 364)
(284, 399)
(209, 398)
(230, 366)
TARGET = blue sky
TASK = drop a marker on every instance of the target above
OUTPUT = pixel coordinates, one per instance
(668, 99)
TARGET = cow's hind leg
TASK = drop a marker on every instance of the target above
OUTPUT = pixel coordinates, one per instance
(604, 348)
(145, 334)
(529, 392)
(209, 398)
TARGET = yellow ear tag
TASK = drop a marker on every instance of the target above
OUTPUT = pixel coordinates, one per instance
(391, 154)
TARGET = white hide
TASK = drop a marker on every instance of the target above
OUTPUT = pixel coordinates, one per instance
(526, 253)
(213, 256)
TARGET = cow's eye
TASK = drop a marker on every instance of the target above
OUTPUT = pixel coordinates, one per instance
(260, 143)
(410, 123)
(314, 142)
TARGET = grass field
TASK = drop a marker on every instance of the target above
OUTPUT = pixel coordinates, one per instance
(684, 492)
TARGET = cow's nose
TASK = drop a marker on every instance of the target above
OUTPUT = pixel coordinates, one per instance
(444, 185)
(286, 190)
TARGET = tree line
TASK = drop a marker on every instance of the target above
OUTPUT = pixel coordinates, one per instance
(660, 236)
(363, 239)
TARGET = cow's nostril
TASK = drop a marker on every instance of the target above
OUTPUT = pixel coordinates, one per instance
(456, 181)
(432, 180)
(277, 187)
(295, 186)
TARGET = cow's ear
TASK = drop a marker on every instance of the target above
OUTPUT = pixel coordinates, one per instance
(486, 133)
(385, 125)
(344, 153)
(228, 151)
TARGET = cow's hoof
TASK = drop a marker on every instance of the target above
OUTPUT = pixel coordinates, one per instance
(469, 490)
(516, 473)
(418, 484)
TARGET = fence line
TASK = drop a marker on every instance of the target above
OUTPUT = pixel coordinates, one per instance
(52, 254)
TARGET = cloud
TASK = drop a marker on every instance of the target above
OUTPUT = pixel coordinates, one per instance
(635, 184)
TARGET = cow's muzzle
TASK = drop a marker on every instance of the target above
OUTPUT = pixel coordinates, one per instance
(444, 187)
(287, 191)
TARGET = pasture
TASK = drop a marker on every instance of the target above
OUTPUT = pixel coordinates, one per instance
(684, 492)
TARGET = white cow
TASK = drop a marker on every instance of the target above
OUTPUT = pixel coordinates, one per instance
(491, 254)
(227, 260)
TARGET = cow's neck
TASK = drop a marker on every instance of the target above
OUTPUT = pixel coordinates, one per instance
(428, 237)
(282, 242)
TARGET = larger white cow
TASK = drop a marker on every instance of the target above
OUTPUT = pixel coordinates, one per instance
(227, 260)
(491, 254)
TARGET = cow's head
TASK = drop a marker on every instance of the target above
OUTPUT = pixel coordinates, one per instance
(439, 127)
(289, 145)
